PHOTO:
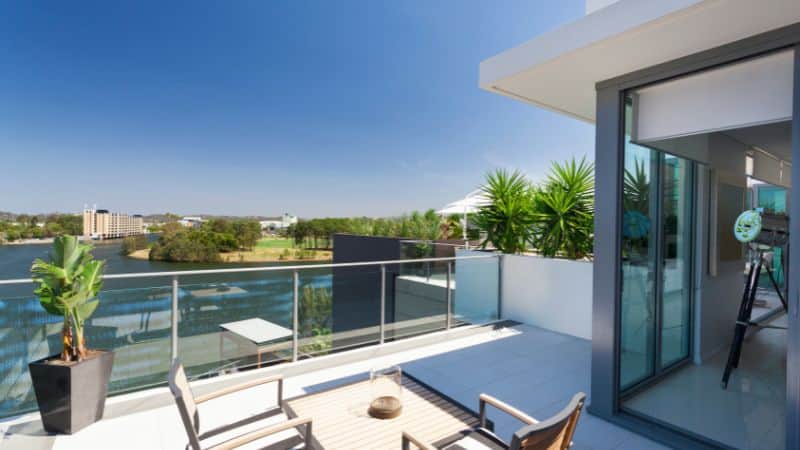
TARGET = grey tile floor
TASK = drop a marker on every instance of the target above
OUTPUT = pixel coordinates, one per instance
(537, 371)
(750, 414)
(533, 369)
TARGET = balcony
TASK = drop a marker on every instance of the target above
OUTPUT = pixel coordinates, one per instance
(437, 318)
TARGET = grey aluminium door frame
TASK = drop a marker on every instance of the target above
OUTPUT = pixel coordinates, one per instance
(609, 150)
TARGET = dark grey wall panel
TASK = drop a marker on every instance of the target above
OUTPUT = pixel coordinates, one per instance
(793, 340)
(356, 290)
(608, 192)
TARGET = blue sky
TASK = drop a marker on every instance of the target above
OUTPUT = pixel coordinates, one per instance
(262, 107)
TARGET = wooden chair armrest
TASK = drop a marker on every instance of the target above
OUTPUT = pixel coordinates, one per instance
(409, 439)
(264, 432)
(505, 407)
(239, 387)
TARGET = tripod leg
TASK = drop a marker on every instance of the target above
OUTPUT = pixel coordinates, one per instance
(738, 330)
(777, 289)
(748, 310)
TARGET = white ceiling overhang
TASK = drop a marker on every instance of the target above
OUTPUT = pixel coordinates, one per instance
(558, 70)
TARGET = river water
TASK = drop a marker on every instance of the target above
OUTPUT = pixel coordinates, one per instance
(16, 260)
(134, 317)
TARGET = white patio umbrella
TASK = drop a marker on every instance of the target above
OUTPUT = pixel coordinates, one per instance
(470, 204)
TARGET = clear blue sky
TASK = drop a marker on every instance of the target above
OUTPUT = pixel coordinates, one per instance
(256, 108)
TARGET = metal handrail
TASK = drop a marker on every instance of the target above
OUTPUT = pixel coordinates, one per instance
(441, 244)
(297, 352)
(295, 269)
(266, 269)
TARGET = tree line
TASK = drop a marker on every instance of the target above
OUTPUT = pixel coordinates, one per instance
(26, 226)
(204, 244)
(318, 233)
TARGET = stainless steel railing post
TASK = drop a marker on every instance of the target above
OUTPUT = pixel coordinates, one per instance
(449, 319)
(383, 304)
(295, 318)
(500, 259)
(174, 319)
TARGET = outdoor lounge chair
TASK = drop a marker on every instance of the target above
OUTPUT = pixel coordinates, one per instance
(552, 434)
(187, 405)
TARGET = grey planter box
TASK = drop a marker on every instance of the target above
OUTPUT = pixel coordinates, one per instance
(71, 396)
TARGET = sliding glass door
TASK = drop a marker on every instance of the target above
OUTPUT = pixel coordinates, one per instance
(656, 261)
(676, 261)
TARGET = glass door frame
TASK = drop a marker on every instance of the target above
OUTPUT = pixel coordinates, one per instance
(609, 148)
(659, 371)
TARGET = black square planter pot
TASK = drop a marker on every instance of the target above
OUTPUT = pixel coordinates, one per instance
(71, 396)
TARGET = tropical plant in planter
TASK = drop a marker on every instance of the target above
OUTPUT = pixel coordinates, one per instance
(564, 211)
(509, 217)
(70, 387)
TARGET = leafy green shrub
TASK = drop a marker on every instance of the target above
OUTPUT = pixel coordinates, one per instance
(315, 318)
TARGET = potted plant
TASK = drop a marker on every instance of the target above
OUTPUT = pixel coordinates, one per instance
(70, 387)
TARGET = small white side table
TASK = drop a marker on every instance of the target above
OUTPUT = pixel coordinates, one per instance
(255, 332)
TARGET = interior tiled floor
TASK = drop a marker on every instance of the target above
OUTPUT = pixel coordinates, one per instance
(749, 414)
(535, 370)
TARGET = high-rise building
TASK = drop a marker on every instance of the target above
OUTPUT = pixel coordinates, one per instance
(102, 224)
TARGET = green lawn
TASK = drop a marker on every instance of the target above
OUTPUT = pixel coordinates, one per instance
(274, 243)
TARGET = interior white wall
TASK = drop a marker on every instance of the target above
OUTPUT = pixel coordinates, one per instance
(718, 286)
(554, 294)
(771, 170)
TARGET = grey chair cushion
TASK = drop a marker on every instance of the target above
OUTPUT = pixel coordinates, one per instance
(477, 439)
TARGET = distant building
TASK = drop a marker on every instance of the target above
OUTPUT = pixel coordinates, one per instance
(191, 221)
(278, 223)
(102, 224)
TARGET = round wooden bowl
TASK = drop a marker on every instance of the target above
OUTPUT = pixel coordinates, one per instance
(386, 407)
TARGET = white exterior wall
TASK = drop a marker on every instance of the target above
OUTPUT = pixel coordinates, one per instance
(594, 5)
(554, 294)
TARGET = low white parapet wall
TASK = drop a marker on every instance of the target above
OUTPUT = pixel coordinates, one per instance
(555, 294)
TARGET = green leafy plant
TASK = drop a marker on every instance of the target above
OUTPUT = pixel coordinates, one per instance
(509, 217)
(452, 227)
(67, 286)
(315, 317)
(563, 211)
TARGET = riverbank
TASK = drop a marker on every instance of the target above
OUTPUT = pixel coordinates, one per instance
(36, 241)
(260, 255)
